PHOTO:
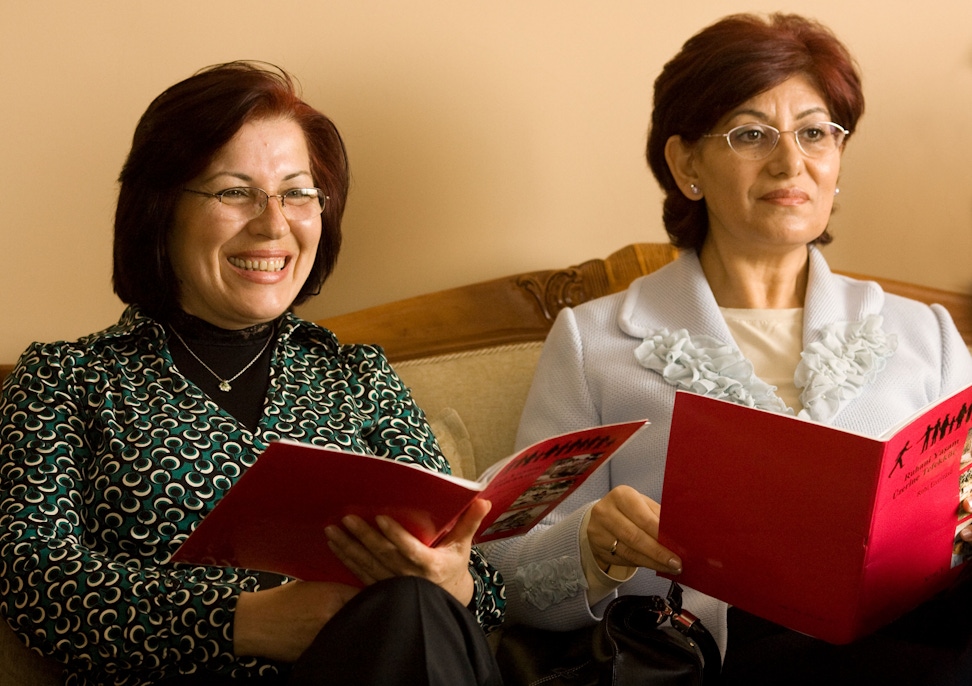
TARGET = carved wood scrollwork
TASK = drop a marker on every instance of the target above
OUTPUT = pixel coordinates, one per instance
(555, 290)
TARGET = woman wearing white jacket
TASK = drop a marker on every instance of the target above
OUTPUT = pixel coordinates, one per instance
(748, 129)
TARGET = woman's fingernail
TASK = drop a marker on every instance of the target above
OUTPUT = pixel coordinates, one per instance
(675, 565)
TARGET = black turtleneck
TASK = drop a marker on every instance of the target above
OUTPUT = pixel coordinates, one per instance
(226, 352)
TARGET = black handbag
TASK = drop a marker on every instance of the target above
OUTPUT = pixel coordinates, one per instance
(640, 640)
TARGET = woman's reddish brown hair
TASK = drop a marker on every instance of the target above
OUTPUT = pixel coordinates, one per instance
(176, 139)
(725, 65)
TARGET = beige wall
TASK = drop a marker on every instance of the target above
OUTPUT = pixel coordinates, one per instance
(485, 137)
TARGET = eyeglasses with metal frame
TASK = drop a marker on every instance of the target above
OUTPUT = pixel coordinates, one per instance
(757, 141)
(250, 202)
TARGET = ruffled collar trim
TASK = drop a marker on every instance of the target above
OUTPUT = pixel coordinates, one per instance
(832, 370)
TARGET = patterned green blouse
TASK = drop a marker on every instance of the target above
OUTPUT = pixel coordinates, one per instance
(109, 457)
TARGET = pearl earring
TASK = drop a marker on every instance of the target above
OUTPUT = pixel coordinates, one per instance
(695, 189)
(836, 191)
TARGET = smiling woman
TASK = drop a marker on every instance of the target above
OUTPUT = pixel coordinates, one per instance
(171, 152)
(242, 260)
(114, 447)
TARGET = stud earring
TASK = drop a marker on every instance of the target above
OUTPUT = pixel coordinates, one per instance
(695, 189)
(836, 191)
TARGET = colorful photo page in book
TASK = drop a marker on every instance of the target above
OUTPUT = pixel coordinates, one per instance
(538, 478)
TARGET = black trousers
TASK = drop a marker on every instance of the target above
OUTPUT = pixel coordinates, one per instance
(929, 646)
(403, 630)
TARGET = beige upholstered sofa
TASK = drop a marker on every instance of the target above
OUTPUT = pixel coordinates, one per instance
(468, 354)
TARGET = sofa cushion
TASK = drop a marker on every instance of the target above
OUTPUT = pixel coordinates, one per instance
(486, 387)
(454, 440)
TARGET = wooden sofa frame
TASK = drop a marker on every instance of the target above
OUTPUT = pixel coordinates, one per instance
(521, 308)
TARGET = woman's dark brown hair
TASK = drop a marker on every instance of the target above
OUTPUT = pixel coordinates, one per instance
(725, 65)
(176, 139)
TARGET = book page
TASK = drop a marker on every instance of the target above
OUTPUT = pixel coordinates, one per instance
(534, 481)
(823, 530)
(916, 517)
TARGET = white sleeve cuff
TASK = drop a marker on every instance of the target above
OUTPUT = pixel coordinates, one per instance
(600, 583)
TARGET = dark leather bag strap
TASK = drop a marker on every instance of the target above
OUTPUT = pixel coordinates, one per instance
(690, 625)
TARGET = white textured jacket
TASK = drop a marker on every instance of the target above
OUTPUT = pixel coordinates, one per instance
(904, 354)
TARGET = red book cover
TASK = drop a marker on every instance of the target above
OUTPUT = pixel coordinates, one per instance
(273, 518)
(824, 531)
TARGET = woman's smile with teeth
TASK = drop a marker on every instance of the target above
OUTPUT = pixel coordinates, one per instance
(274, 264)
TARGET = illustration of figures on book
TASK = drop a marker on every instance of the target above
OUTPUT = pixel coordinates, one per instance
(962, 550)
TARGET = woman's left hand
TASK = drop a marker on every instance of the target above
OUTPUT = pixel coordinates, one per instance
(373, 553)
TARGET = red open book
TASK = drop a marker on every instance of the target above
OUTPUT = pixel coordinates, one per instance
(273, 518)
(825, 531)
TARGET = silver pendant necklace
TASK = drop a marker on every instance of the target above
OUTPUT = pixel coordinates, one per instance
(224, 384)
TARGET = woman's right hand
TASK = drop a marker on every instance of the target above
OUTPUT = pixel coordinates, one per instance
(623, 530)
(280, 623)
